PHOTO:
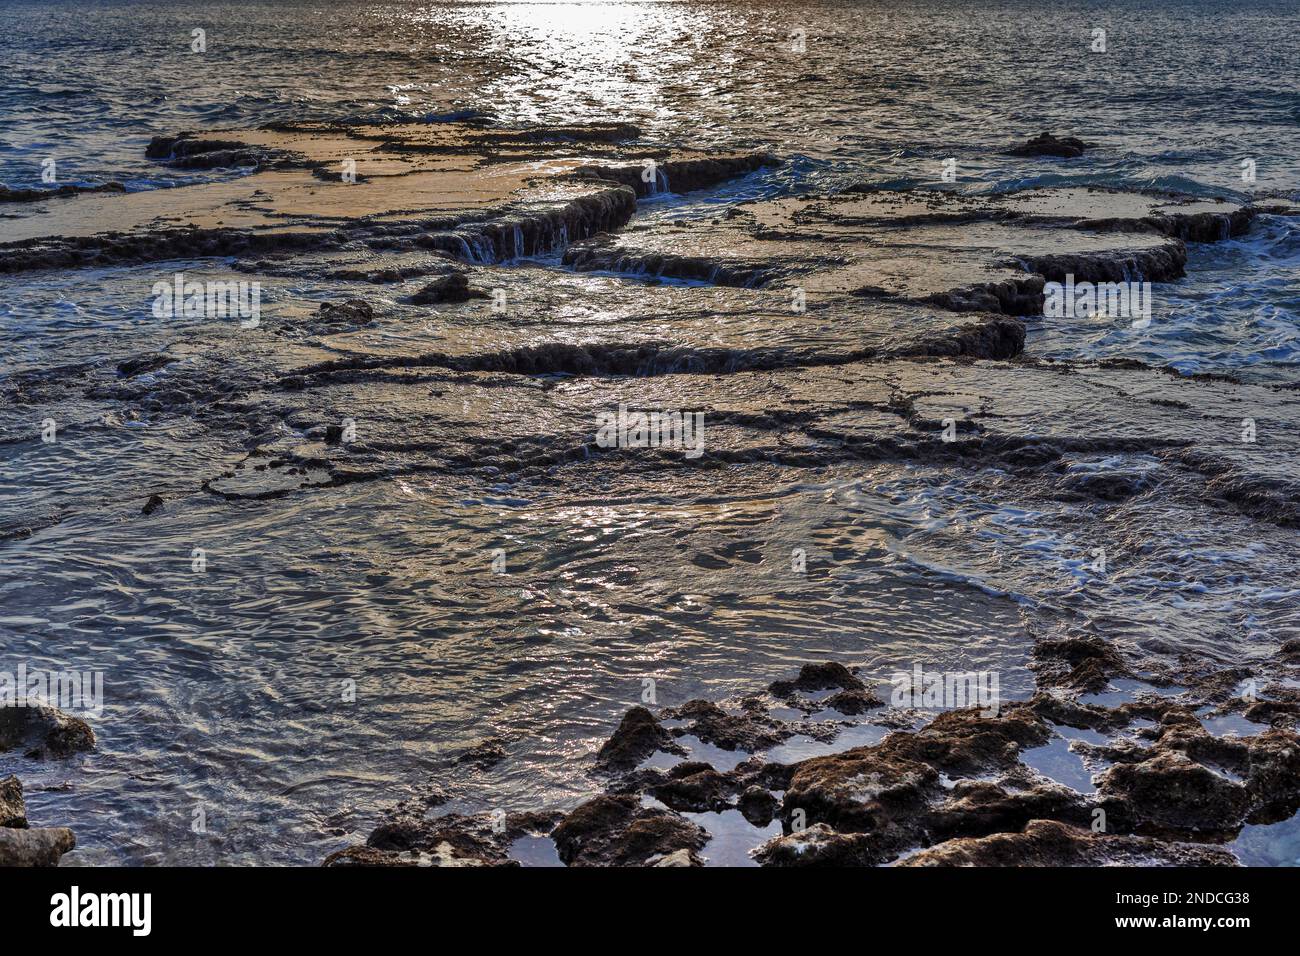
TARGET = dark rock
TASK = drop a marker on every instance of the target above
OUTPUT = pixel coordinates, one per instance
(637, 737)
(144, 363)
(1045, 144)
(1105, 486)
(487, 754)
(36, 195)
(1079, 663)
(965, 742)
(1172, 791)
(758, 806)
(1049, 843)
(997, 339)
(618, 831)
(468, 838)
(814, 677)
(351, 312)
(408, 838)
(710, 723)
(1273, 772)
(864, 791)
(368, 856)
(694, 787)
(853, 702)
(680, 176)
(452, 287)
(978, 807)
(41, 730)
(153, 504)
(819, 845)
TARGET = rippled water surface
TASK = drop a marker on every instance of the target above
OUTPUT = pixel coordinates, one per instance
(226, 689)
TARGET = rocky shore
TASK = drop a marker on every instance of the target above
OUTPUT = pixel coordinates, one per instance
(953, 791)
(905, 364)
(39, 733)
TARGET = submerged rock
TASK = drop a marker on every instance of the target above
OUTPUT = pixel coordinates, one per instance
(679, 175)
(36, 195)
(342, 316)
(482, 756)
(1045, 144)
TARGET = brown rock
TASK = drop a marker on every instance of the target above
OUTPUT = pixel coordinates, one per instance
(637, 737)
(1045, 144)
(819, 845)
(1173, 791)
(13, 812)
(42, 731)
(618, 831)
(39, 847)
(1048, 843)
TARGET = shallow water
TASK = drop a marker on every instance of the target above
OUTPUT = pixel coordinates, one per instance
(225, 689)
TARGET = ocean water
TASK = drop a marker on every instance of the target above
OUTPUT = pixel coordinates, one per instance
(883, 92)
(223, 690)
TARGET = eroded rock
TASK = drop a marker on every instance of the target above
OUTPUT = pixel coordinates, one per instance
(618, 831)
(13, 811)
(1045, 144)
(42, 731)
(1049, 843)
(638, 736)
(42, 846)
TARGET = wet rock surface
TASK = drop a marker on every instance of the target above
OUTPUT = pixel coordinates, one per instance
(637, 737)
(1045, 144)
(904, 383)
(618, 831)
(22, 845)
(959, 252)
(955, 792)
(1048, 843)
(34, 847)
(40, 731)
